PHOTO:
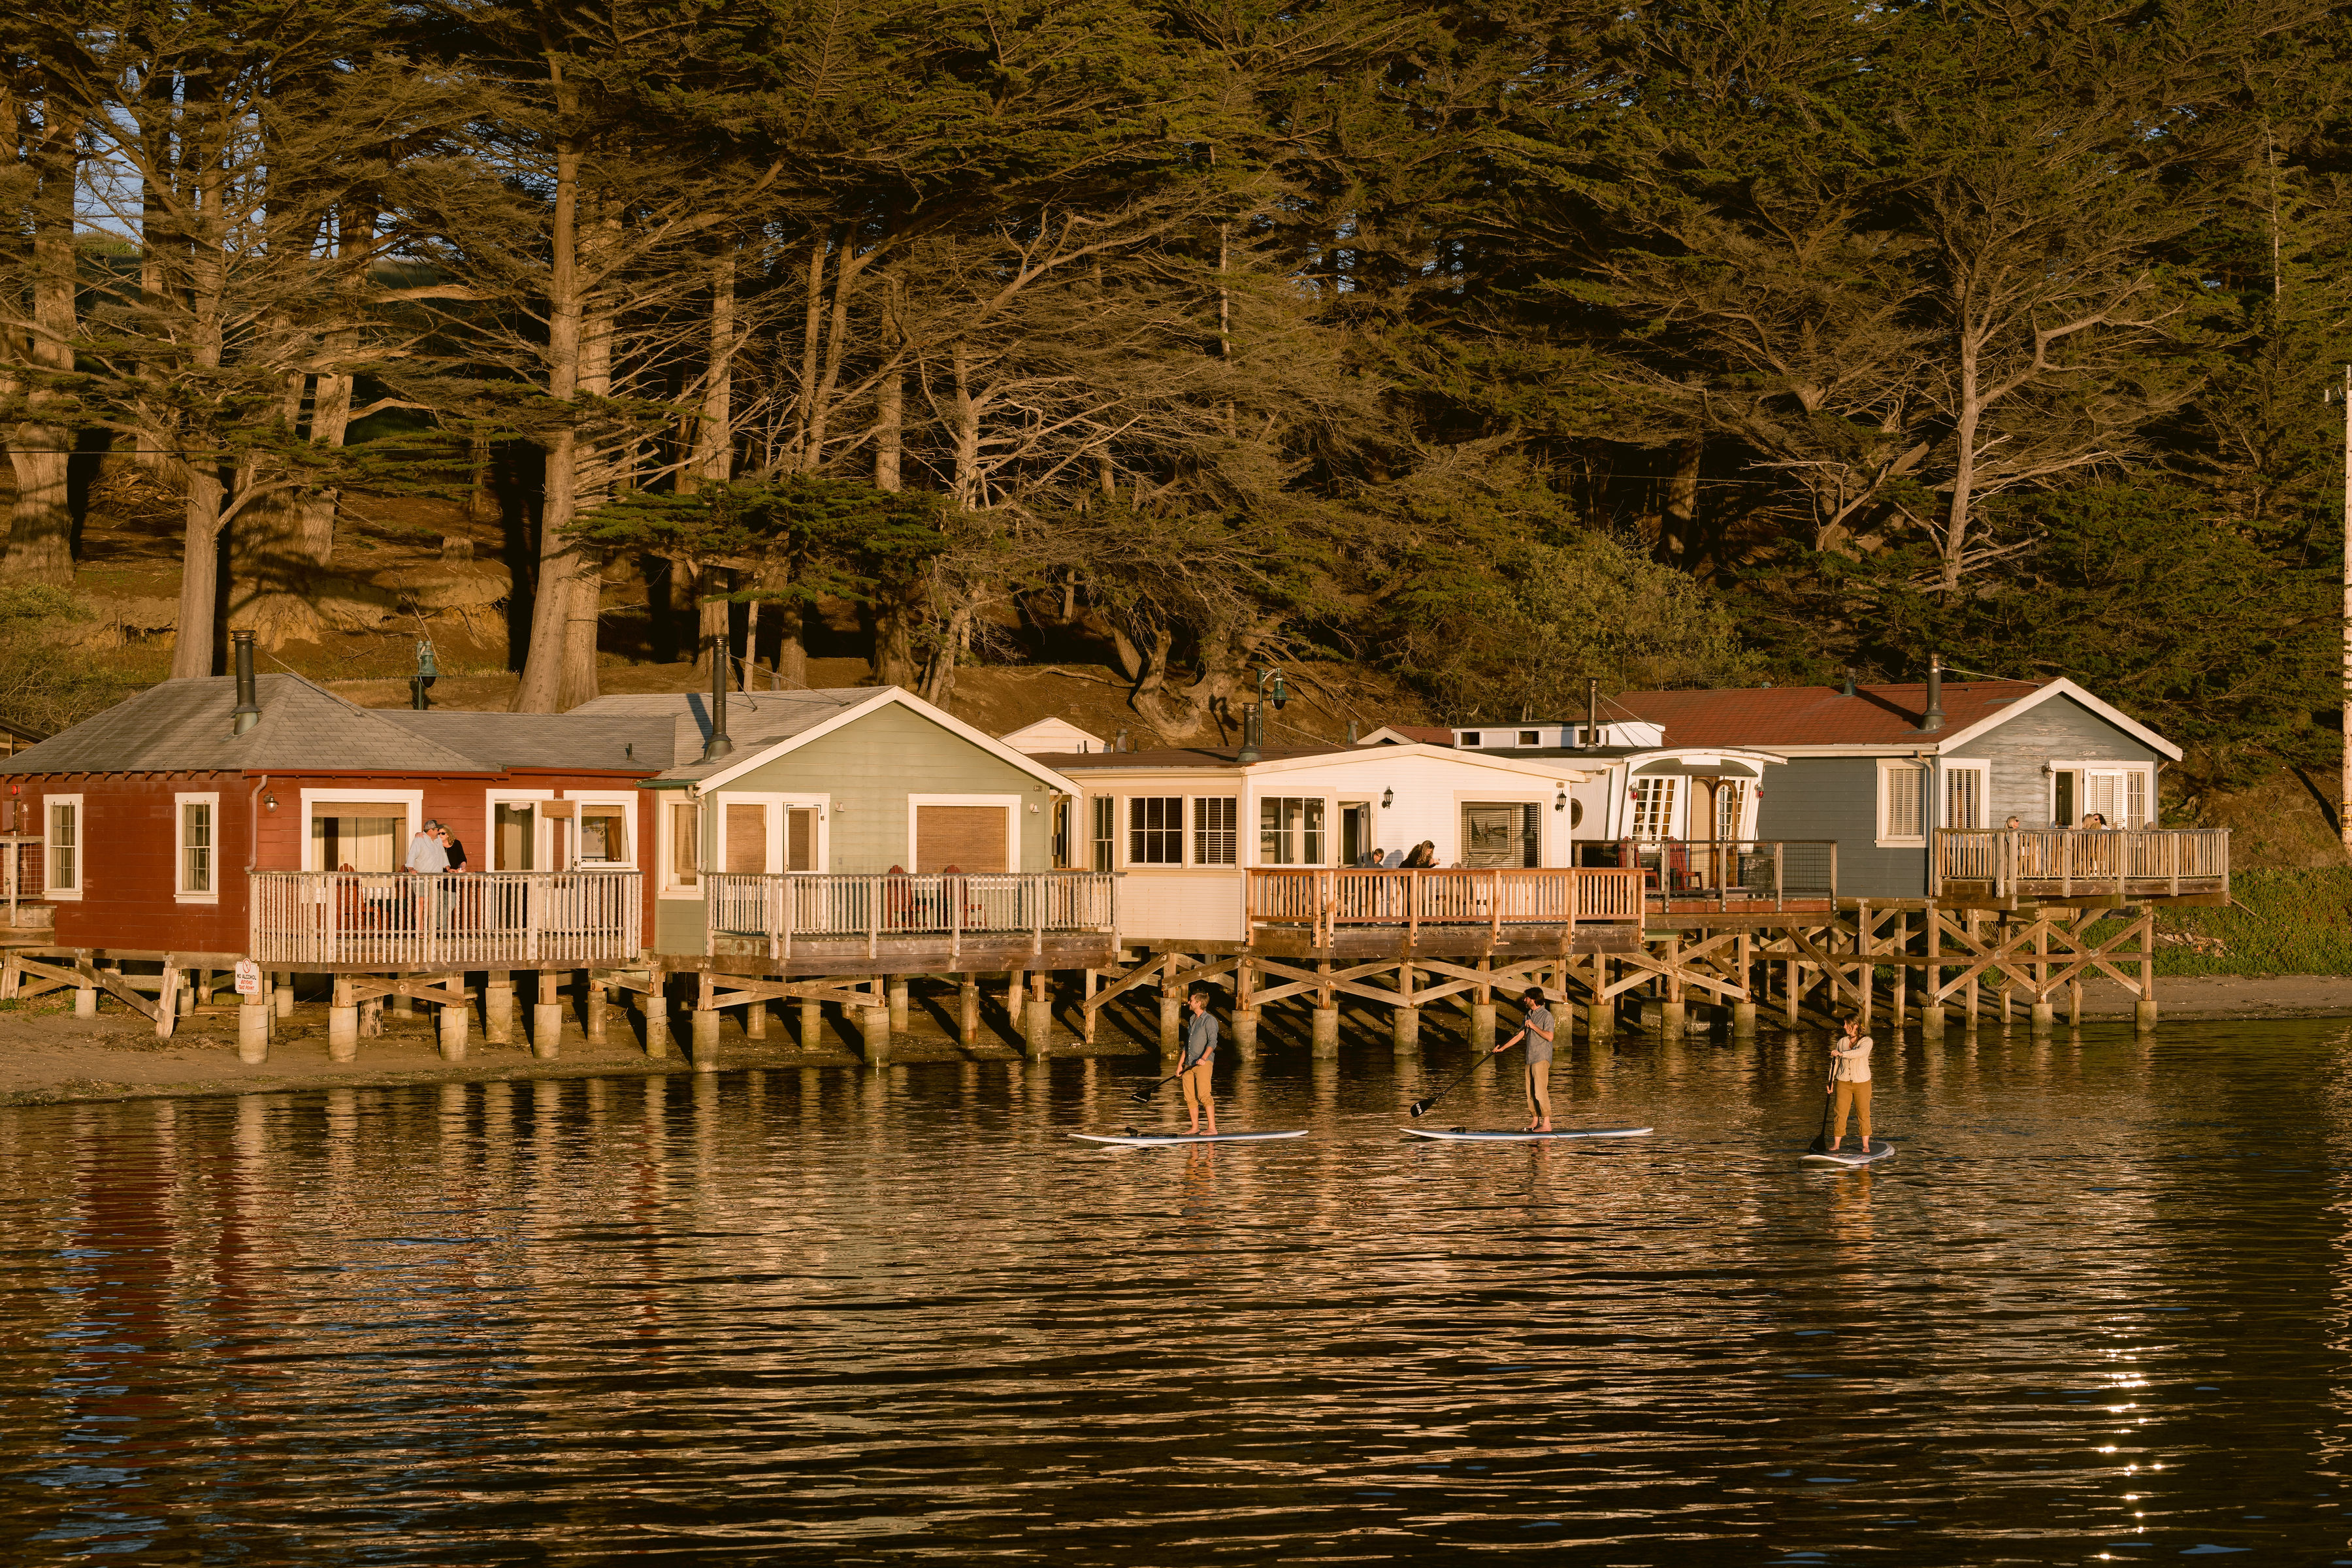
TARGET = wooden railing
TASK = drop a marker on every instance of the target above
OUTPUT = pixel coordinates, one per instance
(2069, 862)
(876, 906)
(484, 919)
(1752, 874)
(1556, 896)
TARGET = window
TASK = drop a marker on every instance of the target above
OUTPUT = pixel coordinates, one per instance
(1155, 830)
(1501, 833)
(1106, 832)
(1290, 830)
(681, 867)
(1216, 830)
(1964, 794)
(604, 836)
(2122, 793)
(1902, 803)
(1470, 738)
(193, 852)
(1531, 738)
(1730, 809)
(62, 846)
(1653, 809)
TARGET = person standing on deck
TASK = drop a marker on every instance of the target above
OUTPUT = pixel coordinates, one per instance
(1199, 1056)
(426, 858)
(1536, 1030)
(1850, 1079)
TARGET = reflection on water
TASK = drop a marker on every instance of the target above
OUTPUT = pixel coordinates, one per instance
(2095, 1307)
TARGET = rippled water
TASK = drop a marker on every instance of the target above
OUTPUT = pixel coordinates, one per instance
(2094, 1307)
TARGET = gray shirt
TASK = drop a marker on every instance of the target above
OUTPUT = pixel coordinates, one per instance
(1538, 1046)
(1200, 1037)
(427, 856)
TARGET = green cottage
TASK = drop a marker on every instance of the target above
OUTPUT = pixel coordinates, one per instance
(837, 787)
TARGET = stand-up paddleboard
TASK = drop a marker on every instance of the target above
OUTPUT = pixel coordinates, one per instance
(1151, 1138)
(1470, 1135)
(1880, 1149)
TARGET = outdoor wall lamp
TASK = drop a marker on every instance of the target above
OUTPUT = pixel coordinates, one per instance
(1387, 798)
(270, 802)
(1559, 801)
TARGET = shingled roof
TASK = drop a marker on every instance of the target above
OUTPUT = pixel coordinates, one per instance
(185, 726)
(765, 717)
(1815, 715)
(623, 743)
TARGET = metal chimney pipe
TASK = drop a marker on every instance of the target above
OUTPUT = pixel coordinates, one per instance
(1934, 719)
(1592, 711)
(718, 745)
(248, 703)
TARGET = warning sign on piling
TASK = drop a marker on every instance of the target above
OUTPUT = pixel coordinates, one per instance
(248, 977)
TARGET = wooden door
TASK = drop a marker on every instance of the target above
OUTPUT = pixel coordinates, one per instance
(969, 837)
(800, 839)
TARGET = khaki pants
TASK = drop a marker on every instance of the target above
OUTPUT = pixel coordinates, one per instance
(1195, 1083)
(1539, 1091)
(1857, 1097)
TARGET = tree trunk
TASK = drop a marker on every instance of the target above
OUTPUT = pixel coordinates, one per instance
(1964, 460)
(1678, 545)
(560, 559)
(192, 636)
(192, 645)
(811, 331)
(792, 643)
(40, 532)
(890, 409)
(482, 505)
(712, 460)
(966, 435)
(711, 586)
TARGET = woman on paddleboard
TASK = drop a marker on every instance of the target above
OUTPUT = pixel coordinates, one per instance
(1536, 1032)
(1200, 1051)
(1850, 1078)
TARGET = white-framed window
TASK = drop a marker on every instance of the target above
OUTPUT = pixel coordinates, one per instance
(1471, 737)
(515, 823)
(681, 848)
(1730, 809)
(1216, 829)
(62, 846)
(195, 848)
(1290, 830)
(1104, 821)
(1155, 830)
(1531, 738)
(1653, 809)
(2122, 794)
(364, 829)
(1966, 790)
(1902, 803)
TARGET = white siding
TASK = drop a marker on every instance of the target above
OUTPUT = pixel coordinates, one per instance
(1157, 904)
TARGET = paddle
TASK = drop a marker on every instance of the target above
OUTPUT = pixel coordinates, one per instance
(1419, 1106)
(1822, 1140)
(1143, 1096)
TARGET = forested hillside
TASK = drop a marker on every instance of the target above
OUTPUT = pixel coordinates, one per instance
(1482, 349)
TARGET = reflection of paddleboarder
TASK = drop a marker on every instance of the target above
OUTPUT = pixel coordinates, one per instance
(1536, 1032)
(1849, 1080)
(1199, 1053)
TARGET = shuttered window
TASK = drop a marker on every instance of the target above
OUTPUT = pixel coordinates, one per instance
(1106, 832)
(1216, 829)
(1155, 830)
(1964, 796)
(967, 838)
(1903, 801)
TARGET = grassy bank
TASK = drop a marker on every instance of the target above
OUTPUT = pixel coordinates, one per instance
(2281, 922)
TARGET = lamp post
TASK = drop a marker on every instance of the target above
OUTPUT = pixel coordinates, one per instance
(1253, 716)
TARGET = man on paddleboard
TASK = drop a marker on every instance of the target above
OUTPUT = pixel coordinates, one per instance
(1849, 1077)
(1200, 1051)
(1536, 1032)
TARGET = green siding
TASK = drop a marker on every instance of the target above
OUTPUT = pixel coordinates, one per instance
(868, 768)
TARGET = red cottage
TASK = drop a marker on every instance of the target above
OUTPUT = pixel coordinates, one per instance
(206, 820)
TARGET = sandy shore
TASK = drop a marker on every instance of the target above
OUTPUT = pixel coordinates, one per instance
(48, 1055)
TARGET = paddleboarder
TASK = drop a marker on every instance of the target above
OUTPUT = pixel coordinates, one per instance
(1200, 1054)
(1536, 1030)
(1850, 1079)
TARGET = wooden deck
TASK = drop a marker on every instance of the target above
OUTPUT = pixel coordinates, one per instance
(940, 923)
(1455, 911)
(330, 921)
(2001, 867)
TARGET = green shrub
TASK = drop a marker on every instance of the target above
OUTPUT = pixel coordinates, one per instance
(2279, 922)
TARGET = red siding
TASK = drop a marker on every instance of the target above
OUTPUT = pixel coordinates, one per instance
(127, 899)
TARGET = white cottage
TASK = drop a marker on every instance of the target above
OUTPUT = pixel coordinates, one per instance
(1189, 826)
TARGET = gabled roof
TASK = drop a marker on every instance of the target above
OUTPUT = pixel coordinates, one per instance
(1051, 734)
(182, 726)
(621, 742)
(751, 717)
(765, 725)
(1409, 734)
(1804, 717)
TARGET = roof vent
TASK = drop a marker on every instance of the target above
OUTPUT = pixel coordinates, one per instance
(1933, 720)
(718, 745)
